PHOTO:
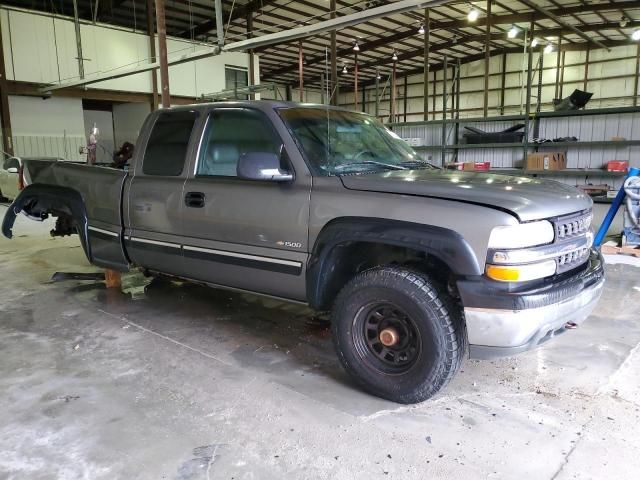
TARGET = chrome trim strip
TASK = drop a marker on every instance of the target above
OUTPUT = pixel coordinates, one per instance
(106, 232)
(244, 255)
(546, 252)
(154, 242)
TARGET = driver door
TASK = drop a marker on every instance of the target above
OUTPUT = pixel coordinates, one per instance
(245, 234)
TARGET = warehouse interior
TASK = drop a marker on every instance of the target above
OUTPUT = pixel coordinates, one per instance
(145, 375)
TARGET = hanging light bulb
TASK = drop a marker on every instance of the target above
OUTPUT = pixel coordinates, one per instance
(395, 56)
(421, 29)
(356, 47)
(548, 48)
(624, 21)
(534, 43)
(473, 15)
(513, 33)
(635, 35)
(344, 69)
(378, 76)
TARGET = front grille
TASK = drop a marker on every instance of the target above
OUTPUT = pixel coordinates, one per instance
(569, 228)
(571, 260)
(573, 225)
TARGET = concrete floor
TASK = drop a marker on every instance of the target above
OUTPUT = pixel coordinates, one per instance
(175, 381)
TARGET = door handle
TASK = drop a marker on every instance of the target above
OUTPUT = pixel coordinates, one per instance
(194, 199)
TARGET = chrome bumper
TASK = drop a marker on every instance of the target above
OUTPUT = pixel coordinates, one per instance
(494, 332)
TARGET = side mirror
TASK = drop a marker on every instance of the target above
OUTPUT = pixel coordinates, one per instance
(12, 170)
(261, 166)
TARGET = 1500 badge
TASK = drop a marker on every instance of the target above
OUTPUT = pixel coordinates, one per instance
(289, 244)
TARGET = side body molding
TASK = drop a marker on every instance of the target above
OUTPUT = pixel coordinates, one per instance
(446, 245)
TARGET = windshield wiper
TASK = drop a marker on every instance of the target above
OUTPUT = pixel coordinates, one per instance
(369, 162)
(418, 163)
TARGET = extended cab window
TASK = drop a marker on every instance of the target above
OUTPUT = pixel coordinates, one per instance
(167, 147)
(230, 133)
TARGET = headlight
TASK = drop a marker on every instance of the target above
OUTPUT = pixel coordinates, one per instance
(522, 235)
(521, 273)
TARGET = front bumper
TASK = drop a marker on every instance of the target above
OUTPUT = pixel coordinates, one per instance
(530, 317)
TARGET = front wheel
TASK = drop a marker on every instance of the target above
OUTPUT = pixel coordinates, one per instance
(397, 335)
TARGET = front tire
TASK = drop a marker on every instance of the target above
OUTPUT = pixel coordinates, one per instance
(397, 335)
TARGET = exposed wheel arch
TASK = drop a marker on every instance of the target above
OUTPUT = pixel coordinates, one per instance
(347, 240)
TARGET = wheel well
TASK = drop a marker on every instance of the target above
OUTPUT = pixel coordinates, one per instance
(350, 258)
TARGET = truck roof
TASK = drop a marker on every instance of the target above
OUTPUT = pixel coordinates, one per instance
(260, 104)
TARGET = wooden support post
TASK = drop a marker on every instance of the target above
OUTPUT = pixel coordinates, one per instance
(586, 70)
(433, 97)
(112, 279)
(427, 46)
(503, 82)
(334, 60)
(561, 76)
(558, 55)
(405, 103)
(393, 94)
(487, 61)
(355, 81)
(377, 107)
(637, 73)
(151, 29)
(301, 71)
(162, 46)
(5, 116)
(252, 59)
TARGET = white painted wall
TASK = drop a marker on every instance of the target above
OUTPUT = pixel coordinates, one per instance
(127, 120)
(42, 49)
(51, 127)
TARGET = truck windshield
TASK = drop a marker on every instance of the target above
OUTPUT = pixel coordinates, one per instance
(337, 142)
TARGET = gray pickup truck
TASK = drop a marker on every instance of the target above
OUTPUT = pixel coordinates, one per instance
(329, 208)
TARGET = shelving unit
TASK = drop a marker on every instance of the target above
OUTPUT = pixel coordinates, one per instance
(591, 127)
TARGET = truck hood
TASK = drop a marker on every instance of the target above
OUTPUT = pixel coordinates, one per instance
(527, 198)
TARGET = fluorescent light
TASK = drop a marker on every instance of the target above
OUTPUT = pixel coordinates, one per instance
(636, 35)
(513, 33)
(473, 15)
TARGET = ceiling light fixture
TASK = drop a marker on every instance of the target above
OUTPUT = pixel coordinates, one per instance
(421, 29)
(624, 21)
(513, 33)
(534, 43)
(549, 48)
(473, 15)
(344, 69)
(635, 35)
(378, 76)
(395, 56)
(356, 47)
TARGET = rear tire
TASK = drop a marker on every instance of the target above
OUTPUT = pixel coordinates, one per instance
(397, 335)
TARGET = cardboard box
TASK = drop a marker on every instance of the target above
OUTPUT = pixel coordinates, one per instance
(482, 166)
(546, 161)
(617, 166)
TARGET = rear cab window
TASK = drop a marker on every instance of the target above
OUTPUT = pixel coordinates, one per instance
(168, 143)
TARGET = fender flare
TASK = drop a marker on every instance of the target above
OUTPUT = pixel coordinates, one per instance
(38, 199)
(445, 244)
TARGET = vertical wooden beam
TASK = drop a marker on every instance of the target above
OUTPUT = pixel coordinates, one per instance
(151, 29)
(377, 108)
(364, 100)
(487, 61)
(76, 21)
(433, 97)
(252, 59)
(301, 71)
(334, 60)
(404, 100)
(586, 69)
(503, 82)
(355, 81)
(558, 55)
(162, 46)
(561, 76)
(427, 46)
(637, 72)
(5, 117)
(393, 93)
